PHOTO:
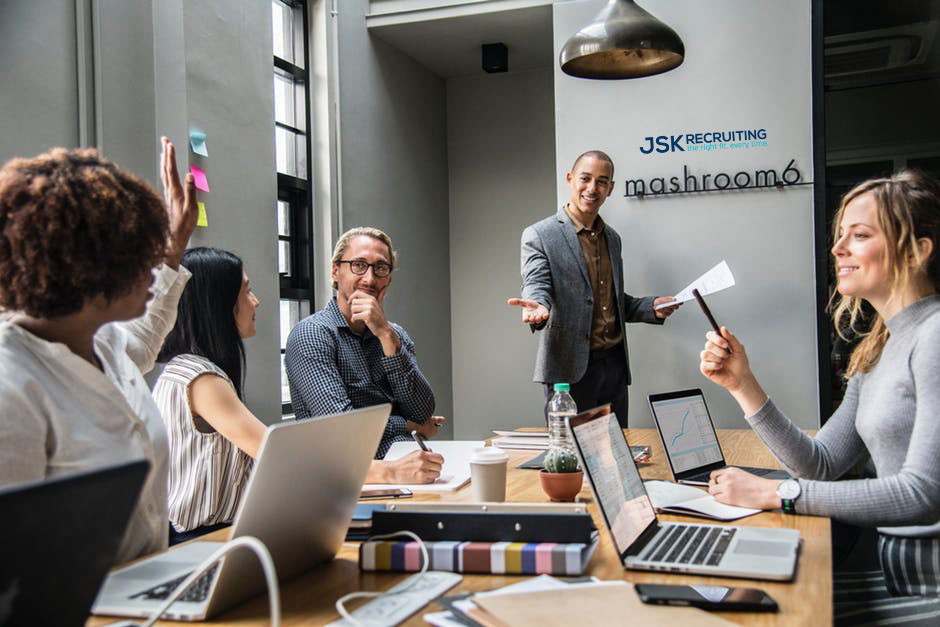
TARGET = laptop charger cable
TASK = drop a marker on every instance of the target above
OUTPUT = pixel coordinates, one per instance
(267, 565)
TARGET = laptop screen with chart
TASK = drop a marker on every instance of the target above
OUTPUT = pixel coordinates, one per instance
(687, 430)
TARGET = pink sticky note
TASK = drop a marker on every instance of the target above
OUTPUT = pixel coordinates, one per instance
(200, 175)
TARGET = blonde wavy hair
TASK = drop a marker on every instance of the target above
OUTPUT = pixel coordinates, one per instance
(343, 243)
(908, 209)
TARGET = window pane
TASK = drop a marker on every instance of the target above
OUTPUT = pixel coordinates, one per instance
(283, 218)
(285, 385)
(284, 99)
(283, 258)
(286, 150)
(282, 23)
(291, 152)
(292, 312)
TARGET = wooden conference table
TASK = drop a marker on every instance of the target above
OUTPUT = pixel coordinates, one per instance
(309, 599)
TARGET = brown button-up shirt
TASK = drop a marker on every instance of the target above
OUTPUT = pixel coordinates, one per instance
(605, 332)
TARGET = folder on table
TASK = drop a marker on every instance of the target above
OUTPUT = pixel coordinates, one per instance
(511, 558)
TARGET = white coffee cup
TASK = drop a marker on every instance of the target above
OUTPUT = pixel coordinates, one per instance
(488, 474)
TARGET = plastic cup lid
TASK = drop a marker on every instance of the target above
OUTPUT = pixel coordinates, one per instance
(489, 455)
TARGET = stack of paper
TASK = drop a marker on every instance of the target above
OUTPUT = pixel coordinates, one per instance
(534, 440)
(548, 601)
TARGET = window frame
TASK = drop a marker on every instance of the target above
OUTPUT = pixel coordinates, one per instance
(299, 284)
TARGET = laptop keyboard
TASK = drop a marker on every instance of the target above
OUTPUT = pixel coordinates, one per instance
(686, 544)
(197, 592)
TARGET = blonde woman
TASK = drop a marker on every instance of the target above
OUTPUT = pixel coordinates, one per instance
(885, 247)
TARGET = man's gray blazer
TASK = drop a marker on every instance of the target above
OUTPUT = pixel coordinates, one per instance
(554, 274)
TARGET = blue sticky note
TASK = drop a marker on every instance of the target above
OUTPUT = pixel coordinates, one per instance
(198, 142)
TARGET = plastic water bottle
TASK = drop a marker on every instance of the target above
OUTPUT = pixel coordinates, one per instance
(560, 407)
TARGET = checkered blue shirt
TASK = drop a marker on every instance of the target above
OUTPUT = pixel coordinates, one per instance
(331, 370)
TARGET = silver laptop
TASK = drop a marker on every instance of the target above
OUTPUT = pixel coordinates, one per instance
(646, 544)
(299, 501)
(688, 435)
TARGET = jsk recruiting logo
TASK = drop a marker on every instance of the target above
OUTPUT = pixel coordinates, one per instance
(706, 141)
(690, 181)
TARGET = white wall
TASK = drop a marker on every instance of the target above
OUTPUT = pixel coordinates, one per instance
(500, 149)
(747, 66)
(162, 67)
(393, 158)
(227, 92)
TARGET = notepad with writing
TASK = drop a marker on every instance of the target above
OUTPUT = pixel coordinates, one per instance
(511, 558)
(690, 501)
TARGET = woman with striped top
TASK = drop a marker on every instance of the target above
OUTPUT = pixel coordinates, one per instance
(213, 437)
(887, 233)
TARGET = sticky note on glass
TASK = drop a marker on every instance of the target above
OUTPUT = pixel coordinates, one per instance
(203, 219)
(198, 141)
(200, 175)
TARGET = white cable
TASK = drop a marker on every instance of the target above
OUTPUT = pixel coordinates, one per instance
(340, 603)
(267, 564)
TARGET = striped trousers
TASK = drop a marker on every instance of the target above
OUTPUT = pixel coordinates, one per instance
(906, 591)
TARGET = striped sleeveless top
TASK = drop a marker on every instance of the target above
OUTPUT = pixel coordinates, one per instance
(207, 473)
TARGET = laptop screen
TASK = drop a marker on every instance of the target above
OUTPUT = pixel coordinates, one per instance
(610, 467)
(686, 429)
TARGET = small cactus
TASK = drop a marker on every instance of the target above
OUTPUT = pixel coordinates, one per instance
(561, 460)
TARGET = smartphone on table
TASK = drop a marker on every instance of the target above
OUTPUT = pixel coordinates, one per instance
(714, 598)
(385, 493)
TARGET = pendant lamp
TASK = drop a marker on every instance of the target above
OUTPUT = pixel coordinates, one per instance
(622, 41)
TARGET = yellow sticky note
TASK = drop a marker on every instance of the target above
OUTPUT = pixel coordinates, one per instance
(203, 219)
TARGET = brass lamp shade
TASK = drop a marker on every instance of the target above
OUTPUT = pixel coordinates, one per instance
(623, 41)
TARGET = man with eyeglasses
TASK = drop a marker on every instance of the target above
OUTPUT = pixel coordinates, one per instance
(348, 355)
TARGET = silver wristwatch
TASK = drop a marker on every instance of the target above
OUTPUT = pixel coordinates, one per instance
(789, 491)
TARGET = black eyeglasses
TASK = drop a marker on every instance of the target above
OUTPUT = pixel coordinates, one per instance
(380, 269)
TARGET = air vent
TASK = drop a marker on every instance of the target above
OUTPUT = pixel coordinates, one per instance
(888, 49)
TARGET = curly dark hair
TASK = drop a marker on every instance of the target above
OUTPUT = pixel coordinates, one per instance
(74, 226)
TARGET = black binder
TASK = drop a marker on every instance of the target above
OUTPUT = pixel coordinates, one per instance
(487, 526)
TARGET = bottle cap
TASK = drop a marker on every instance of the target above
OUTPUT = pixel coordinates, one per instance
(562, 387)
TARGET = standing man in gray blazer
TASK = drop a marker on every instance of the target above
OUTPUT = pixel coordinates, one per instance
(572, 294)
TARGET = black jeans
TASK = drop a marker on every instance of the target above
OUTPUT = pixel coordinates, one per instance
(604, 381)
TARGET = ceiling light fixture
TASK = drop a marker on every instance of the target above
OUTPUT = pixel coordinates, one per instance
(622, 41)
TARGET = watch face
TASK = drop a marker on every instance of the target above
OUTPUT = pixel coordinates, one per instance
(788, 489)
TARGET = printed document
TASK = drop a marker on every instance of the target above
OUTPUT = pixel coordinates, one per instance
(715, 280)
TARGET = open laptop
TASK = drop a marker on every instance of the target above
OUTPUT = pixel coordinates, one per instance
(646, 544)
(299, 501)
(59, 537)
(689, 437)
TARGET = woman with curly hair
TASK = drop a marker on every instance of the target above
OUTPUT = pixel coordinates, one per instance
(79, 240)
(886, 239)
(213, 435)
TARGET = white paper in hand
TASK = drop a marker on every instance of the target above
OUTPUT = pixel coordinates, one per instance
(715, 280)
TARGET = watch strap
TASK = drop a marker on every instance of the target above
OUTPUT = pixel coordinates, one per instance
(788, 505)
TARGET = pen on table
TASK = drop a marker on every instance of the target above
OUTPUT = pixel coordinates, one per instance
(420, 441)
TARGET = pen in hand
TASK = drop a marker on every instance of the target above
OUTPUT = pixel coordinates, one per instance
(420, 441)
(708, 314)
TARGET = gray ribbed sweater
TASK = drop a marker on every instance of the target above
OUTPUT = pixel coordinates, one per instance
(893, 411)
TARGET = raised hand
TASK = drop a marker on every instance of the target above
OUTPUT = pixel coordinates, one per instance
(181, 208)
(532, 312)
(724, 361)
